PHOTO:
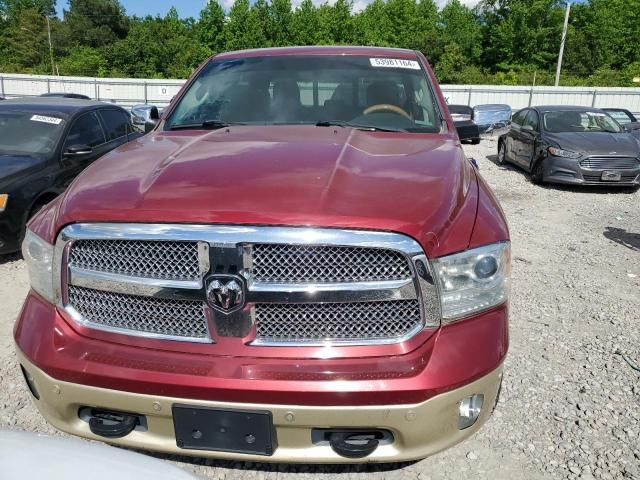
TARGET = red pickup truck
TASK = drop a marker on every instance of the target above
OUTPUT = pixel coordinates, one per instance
(297, 264)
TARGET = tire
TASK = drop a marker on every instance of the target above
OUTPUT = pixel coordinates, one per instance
(537, 172)
(502, 154)
(475, 141)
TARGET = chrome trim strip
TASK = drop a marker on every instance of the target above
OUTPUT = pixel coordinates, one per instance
(75, 315)
(257, 293)
(142, 286)
(331, 292)
(335, 286)
(428, 290)
(223, 235)
(340, 343)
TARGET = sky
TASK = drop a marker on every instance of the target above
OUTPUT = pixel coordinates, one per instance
(191, 8)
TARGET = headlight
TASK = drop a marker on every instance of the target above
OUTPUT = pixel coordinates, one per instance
(4, 198)
(38, 255)
(558, 152)
(473, 280)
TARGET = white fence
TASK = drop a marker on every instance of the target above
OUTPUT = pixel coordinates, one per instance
(123, 91)
(128, 92)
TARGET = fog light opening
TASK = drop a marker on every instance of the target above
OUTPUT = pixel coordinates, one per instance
(30, 383)
(469, 410)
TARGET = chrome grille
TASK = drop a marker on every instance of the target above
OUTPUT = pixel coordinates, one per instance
(174, 318)
(351, 287)
(277, 263)
(317, 322)
(611, 163)
(167, 260)
(598, 178)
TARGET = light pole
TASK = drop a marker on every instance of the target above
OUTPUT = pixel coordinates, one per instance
(564, 37)
(53, 69)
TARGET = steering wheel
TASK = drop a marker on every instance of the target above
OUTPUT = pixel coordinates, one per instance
(386, 107)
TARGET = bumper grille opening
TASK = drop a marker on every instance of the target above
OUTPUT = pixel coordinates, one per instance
(167, 260)
(610, 163)
(598, 178)
(318, 322)
(172, 318)
(277, 263)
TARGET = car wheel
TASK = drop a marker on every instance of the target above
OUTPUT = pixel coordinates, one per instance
(537, 173)
(502, 154)
(475, 141)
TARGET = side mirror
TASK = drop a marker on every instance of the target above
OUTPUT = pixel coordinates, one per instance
(154, 118)
(527, 128)
(78, 150)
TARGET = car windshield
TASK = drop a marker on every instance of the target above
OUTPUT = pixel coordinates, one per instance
(376, 93)
(28, 133)
(620, 116)
(579, 121)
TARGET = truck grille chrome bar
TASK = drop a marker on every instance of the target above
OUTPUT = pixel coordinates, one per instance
(302, 286)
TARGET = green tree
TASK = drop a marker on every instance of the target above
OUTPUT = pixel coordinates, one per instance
(614, 28)
(211, 25)
(305, 24)
(24, 46)
(281, 16)
(373, 26)
(244, 28)
(451, 64)
(140, 54)
(335, 23)
(95, 23)
(10, 9)
(427, 34)
(521, 32)
(84, 61)
(458, 25)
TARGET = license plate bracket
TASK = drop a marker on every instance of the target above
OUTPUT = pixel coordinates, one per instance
(215, 429)
(610, 176)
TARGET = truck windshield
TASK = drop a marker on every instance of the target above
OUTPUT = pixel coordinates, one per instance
(377, 93)
(28, 133)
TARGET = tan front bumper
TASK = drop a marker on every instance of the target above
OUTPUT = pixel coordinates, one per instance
(419, 430)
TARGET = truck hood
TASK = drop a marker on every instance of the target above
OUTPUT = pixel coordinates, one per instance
(597, 143)
(418, 184)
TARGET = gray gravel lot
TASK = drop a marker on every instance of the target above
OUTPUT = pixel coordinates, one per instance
(570, 405)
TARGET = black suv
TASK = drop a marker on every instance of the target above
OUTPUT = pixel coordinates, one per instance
(44, 144)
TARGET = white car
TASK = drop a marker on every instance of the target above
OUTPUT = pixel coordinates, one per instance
(26, 455)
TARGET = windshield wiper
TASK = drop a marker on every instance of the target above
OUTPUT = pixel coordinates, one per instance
(207, 124)
(343, 123)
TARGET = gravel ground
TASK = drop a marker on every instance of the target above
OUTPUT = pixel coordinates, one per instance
(570, 404)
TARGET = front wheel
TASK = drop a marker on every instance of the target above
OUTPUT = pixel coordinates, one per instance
(502, 154)
(537, 174)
